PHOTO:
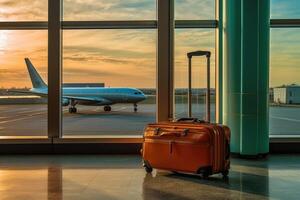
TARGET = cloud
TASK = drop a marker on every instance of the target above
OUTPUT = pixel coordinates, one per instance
(99, 52)
(109, 10)
(191, 9)
(9, 76)
(97, 59)
(90, 72)
(9, 3)
(23, 10)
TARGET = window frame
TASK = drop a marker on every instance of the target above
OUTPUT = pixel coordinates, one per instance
(284, 23)
(55, 25)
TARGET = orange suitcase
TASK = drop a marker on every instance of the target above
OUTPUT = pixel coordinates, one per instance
(188, 145)
(201, 148)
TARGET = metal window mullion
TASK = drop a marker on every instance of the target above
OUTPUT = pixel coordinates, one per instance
(285, 23)
(196, 24)
(138, 24)
(219, 62)
(145, 24)
(24, 25)
(142, 24)
(54, 68)
(165, 60)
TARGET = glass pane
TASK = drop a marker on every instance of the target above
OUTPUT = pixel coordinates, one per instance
(22, 111)
(285, 82)
(285, 9)
(97, 10)
(109, 69)
(188, 40)
(194, 10)
(20, 10)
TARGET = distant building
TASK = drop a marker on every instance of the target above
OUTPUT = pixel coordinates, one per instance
(83, 85)
(287, 94)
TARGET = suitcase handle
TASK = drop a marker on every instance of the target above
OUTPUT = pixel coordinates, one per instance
(190, 56)
(198, 53)
(177, 134)
(186, 119)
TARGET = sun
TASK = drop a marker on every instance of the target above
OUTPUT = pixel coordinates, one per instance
(3, 40)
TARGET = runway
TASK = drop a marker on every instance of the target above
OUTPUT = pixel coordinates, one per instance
(31, 120)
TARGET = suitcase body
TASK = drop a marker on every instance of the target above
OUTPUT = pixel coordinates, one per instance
(188, 145)
(192, 147)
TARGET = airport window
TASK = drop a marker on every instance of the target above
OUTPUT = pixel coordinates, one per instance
(108, 10)
(30, 10)
(107, 43)
(194, 10)
(22, 112)
(188, 40)
(285, 82)
(285, 9)
(122, 61)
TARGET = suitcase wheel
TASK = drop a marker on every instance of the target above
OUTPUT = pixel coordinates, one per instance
(147, 167)
(205, 175)
(205, 172)
(225, 173)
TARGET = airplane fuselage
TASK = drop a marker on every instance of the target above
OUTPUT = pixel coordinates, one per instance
(94, 96)
(101, 95)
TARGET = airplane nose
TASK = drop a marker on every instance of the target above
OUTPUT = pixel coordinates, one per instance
(144, 97)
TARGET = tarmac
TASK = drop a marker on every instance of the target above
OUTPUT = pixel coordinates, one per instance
(31, 120)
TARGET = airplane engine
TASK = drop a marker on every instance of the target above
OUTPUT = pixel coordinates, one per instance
(65, 102)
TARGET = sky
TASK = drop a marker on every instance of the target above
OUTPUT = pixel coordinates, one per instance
(127, 58)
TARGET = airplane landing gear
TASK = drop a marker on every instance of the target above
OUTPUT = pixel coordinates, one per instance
(107, 108)
(73, 109)
(135, 107)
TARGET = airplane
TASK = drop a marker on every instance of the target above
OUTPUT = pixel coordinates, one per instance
(92, 96)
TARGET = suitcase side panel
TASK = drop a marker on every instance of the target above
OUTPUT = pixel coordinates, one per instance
(177, 155)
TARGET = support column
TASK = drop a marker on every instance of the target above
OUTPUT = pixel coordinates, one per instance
(246, 74)
(54, 68)
(165, 60)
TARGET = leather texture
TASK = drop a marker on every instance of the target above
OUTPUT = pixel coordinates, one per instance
(187, 146)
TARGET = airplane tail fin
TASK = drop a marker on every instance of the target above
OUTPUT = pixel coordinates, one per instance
(36, 80)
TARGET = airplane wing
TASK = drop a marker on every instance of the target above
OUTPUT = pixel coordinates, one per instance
(88, 99)
(28, 92)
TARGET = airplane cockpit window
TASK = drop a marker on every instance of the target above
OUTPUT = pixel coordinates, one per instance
(137, 93)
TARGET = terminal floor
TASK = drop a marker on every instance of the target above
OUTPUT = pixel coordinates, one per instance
(121, 177)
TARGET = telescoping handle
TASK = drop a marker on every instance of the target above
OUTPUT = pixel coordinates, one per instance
(186, 119)
(190, 55)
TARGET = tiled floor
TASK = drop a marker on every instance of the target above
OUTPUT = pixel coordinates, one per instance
(121, 177)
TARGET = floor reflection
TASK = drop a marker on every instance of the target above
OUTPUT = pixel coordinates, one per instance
(122, 178)
(164, 185)
(55, 183)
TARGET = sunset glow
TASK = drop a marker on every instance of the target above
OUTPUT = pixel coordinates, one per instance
(3, 40)
(127, 57)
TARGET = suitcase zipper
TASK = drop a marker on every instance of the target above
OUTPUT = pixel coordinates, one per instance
(178, 142)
